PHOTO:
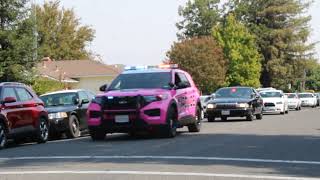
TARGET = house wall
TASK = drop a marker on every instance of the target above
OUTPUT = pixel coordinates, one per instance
(91, 83)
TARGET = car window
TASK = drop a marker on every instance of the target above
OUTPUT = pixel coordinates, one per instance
(83, 95)
(184, 78)
(234, 93)
(23, 94)
(90, 95)
(8, 92)
(60, 99)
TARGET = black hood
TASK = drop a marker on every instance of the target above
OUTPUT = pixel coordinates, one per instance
(54, 109)
(230, 100)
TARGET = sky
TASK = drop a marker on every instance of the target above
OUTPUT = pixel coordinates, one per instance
(140, 32)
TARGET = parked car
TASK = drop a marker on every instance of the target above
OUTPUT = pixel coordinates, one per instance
(204, 101)
(153, 99)
(294, 102)
(275, 101)
(22, 114)
(235, 102)
(67, 112)
(308, 99)
(318, 98)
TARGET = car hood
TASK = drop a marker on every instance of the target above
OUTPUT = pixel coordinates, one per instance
(230, 100)
(272, 100)
(135, 92)
(307, 99)
(55, 109)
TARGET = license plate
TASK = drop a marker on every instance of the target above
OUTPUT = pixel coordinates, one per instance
(225, 113)
(122, 119)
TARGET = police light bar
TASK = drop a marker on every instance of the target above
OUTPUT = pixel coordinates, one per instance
(161, 66)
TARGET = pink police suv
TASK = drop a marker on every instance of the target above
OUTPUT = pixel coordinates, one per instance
(156, 99)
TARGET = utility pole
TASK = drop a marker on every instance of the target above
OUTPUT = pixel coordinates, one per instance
(35, 31)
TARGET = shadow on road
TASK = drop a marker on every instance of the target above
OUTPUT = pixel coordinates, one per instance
(275, 147)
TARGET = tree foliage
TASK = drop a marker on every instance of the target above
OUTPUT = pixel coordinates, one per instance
(199, 16)
(282, 30)
(42, 85)
(240, 49)
(61, 36)
(203, 58)
(16, 39)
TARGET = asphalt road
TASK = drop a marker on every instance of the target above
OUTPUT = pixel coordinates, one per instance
(277, 147)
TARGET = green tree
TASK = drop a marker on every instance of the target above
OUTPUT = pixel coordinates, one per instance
(199, 16)
(61, 36)
(240, 49)
(282, 31)
(42, 85)
(16, 40)
(203, 58)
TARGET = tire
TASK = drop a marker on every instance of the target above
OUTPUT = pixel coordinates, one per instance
(97, 134)
(224, 118)
(3, 136)
(211, 118)
(249, 117)
(73, 127)
(196, 126)
(170, 129)
(259, 116)
(42, 133)
(287, 112)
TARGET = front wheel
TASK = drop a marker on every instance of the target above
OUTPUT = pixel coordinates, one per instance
(196, 126)
(42, 133)
(170, 129)
(3, 136)
(259, 116)
(73, 127)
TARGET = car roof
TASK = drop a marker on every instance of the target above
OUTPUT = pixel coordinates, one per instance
(153, 70)
(64, 91)
(12, 84)
(272, 90)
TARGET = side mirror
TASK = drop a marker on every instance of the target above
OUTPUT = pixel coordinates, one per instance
(84, 101)
(9, 100)
(103, 88)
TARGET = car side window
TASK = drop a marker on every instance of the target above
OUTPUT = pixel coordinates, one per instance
(90, 95)
(177, 79)
(23, 94)
(8, 92)
(83, 95)
(184, 78)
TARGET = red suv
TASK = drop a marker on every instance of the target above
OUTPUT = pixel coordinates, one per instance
(22, 114)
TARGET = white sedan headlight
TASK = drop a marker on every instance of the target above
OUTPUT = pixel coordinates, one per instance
(211, 106)
(58, 115)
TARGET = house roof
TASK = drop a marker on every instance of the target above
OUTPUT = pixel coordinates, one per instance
(67, 69)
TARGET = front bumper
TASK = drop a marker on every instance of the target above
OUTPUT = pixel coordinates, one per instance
(307, 104)
(59, 125)
(229, 112)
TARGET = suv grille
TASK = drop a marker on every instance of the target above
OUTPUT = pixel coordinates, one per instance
(121, 103)
(269, 104)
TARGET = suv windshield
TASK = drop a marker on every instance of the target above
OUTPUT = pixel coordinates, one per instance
(270, 94)
(159, 80)
(305, 95)
(234, 93)
(61, 99)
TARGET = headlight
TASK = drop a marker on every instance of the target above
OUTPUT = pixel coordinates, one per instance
(154, 98)
(211, 106)
(58, 115)
(243, 105)
(279, 102)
